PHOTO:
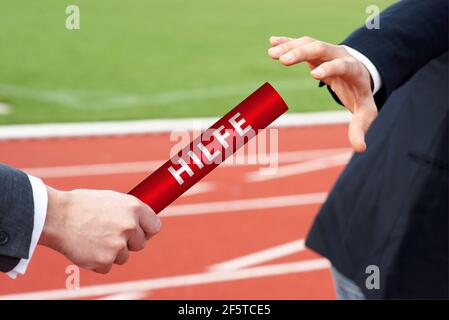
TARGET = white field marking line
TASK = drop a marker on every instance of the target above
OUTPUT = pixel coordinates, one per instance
(175, 281)
(149, 166)
(104, 100)
(260, 256)
(60, 130)
(302, 167)
(244, 205)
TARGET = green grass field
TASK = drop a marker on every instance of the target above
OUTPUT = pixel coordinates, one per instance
(157, 59)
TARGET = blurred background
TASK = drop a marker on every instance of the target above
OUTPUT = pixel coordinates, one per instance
(235, 235)
(157, 59)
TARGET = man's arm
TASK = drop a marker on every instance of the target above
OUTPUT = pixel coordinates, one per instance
(40, 201)
(16, 217)
(411, 33)
(92, 228)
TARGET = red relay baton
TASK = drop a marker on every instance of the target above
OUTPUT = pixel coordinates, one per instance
(211, 148)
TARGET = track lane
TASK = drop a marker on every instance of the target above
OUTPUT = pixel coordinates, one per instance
(189, 244)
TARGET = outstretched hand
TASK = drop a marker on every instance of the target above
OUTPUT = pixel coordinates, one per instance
(347, 77)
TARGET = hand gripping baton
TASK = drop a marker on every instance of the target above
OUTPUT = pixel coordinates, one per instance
(211, 148)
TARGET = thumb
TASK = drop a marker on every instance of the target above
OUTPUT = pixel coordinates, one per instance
(363, 117)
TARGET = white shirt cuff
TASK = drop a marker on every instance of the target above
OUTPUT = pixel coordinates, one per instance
(40, 198)
(375, 75)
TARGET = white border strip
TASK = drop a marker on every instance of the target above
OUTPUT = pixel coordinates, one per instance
(63, 130)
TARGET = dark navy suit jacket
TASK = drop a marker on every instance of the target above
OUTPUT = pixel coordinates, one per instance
(389, 207)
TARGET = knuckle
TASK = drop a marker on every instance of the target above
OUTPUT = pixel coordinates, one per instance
(351, 60)
(154, 229)
(306, 38)
(129, 227)
(158, 226)
(338, 61)
(346, 64)
(157, 223)
(296, 52)
(286, 47)
(320, 46)
(105, 260)
(118, 245)
(135, 206)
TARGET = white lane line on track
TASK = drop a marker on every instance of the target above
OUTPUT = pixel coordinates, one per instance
(175, 281)
(302, 167)
(148, 166)
(93, 169)
(88, 129)
(248, 260)
(230, 270)
(244, 204)
(200, 187)
(260, 256)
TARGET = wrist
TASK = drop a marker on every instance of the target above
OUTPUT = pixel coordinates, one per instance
(368, 76)
(375, 78)
(58, 202)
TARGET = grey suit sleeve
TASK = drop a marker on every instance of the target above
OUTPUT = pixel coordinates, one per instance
(16, 217)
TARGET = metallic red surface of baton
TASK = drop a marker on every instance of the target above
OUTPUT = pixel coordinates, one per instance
(258, 110)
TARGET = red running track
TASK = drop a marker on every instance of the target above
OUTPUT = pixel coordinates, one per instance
(229, 238)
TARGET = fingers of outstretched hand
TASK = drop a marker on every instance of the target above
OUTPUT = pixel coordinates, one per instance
(287, 44)
(311, 51)
(334, 68)
(277, 40)
(363, 117)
